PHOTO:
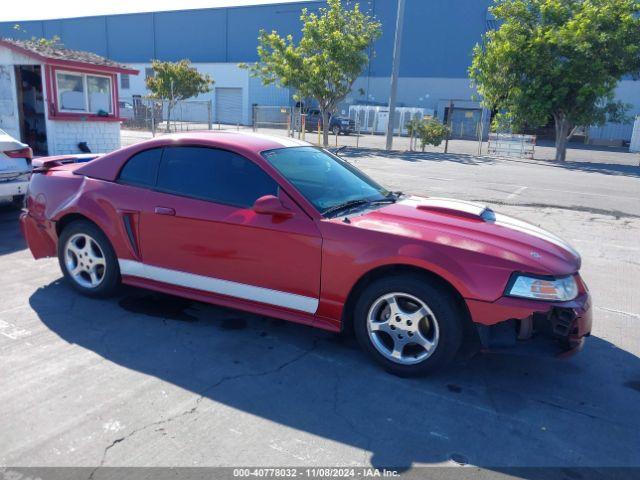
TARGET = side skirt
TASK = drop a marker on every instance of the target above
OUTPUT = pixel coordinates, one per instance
(232, 302)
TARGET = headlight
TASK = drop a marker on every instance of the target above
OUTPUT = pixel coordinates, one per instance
(543, 288)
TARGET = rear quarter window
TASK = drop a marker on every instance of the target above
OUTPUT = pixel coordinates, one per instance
(142, 168)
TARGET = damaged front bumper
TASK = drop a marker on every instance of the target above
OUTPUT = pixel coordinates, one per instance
(533, 326)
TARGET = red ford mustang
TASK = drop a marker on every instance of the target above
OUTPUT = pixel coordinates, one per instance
(281, 228)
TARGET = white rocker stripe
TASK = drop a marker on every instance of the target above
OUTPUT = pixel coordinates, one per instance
(216, 285)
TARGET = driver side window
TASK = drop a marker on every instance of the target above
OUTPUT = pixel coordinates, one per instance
(215, 175)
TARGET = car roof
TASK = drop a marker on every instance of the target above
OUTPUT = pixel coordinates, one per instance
(257, 142)
(249, 144)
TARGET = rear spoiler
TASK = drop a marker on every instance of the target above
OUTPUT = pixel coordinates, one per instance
(43, 164)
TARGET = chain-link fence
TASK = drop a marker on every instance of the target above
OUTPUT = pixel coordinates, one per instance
(364, 126)
(357, 127)
(272, 117)
(144, 113)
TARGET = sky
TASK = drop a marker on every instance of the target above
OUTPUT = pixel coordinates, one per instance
(46, 9)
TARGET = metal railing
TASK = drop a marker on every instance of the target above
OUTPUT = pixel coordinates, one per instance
(511, 145)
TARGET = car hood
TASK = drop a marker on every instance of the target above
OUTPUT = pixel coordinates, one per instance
(474, 227)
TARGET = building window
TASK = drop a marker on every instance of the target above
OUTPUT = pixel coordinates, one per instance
(149, 72)
(84, 93)
(124, 81)
(71, 92)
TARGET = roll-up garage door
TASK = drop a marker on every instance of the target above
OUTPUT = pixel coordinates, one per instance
(229, 105)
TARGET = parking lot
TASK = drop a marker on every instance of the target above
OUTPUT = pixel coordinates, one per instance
(150, 380)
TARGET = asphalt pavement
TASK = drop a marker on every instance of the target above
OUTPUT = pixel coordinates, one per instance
(151, 380)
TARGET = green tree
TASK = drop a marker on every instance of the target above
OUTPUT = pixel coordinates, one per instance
(176, 81)
(330, 56)
(560, 59)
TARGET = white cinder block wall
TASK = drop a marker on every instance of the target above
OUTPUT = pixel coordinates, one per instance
(63, 136)
(635, 137)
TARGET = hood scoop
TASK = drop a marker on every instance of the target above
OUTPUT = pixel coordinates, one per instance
(458, 208)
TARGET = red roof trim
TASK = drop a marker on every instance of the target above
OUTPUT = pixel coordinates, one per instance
(66, 63)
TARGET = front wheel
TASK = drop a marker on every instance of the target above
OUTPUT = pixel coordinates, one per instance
(409, 324)
(87, 259)
(336, 130)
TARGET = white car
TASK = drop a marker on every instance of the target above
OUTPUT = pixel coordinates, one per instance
(126, 110)
(15, 168)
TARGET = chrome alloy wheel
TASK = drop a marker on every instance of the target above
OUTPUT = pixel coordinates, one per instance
(402, 328)
(85, 260)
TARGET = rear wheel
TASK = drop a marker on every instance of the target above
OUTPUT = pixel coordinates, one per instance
(336, 130)
(409, 324)
(87, 259)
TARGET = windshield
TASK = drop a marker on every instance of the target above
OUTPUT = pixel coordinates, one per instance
(327, 181)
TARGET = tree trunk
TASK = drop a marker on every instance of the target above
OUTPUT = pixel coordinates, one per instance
(168, 117)
(325, 127)
(562, 136)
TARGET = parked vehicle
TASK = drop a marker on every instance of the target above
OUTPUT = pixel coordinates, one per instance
(15, 168)
(278, 227)
(337, 124)
(126, 110)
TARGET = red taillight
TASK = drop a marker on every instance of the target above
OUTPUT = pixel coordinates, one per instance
(21, 153)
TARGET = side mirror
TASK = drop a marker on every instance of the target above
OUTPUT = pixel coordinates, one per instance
(271, 205)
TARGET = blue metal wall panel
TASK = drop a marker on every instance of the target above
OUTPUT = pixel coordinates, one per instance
(130, 37)
(52, 28)
(25, 31)
(439, 36)
(199, 35)
(245, 24)
(88, 33)
(437, 41)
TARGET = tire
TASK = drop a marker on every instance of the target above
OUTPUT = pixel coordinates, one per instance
(425, 313)
(83, 246)
(18, 201)
(336, 130)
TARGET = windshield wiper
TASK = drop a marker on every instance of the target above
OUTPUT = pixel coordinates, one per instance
(345, 206)
(356, 203)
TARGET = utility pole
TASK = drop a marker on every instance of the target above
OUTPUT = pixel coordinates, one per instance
(449, 125)
(394, 74)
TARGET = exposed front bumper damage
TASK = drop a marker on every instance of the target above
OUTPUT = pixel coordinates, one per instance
(533, 326)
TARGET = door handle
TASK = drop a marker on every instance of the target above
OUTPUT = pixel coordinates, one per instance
(164, 211)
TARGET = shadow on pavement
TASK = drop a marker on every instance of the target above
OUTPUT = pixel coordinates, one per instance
(463, 158)
(489, 411)
(11, 239)
(466, 159)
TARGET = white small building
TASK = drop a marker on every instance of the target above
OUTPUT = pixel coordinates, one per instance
(58, 100)
(634, 146)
